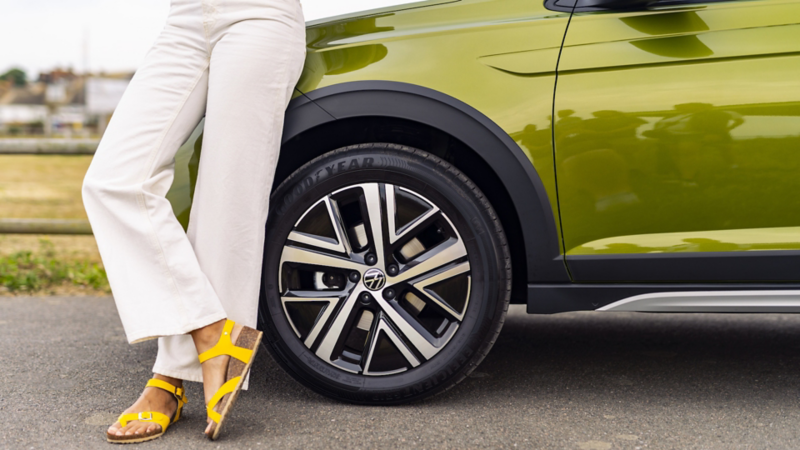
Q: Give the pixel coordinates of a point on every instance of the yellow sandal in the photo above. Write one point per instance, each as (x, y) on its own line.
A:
(151, 416)
(241, 359)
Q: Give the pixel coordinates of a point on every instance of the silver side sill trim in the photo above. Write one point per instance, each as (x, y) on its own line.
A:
(711, 301)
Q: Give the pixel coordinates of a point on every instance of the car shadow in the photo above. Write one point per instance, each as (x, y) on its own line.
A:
(616, 356)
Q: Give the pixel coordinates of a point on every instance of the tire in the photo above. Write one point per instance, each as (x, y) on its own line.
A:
(430, 313)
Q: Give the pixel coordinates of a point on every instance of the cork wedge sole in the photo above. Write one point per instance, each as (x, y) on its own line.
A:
(135, 439)
(122, 440)
(249, 338)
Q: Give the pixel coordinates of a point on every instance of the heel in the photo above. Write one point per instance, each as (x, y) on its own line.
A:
(241, 360)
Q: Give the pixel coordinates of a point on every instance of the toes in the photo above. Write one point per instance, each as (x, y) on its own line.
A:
(114, 429)
(134, 428)
(144, 428)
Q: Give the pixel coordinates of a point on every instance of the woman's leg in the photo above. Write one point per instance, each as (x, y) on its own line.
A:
(165, 282)
(255, 64)
(155, 277)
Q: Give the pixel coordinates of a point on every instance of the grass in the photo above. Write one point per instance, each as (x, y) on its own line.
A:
(47, 187)
(42, 187)
(46, 271)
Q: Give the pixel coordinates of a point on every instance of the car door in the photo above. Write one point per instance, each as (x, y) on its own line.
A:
(677, 142)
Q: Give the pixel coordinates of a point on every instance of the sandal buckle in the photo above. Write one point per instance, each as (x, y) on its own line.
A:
(142, 416)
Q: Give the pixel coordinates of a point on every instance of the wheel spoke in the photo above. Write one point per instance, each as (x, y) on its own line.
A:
(335, 331)
(342, 245)
(383, 326)
(309, 257)
(391, 214)
(444, 253)
(306, 295)
(313, 296)
(372, 197)
(422, 344)
(441, 275)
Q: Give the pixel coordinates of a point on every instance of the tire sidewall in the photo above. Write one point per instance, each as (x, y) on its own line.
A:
(430, 177)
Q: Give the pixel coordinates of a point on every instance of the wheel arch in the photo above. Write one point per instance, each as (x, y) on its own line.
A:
(383, 111)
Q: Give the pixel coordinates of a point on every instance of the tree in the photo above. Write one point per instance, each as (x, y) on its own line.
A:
(17, 76)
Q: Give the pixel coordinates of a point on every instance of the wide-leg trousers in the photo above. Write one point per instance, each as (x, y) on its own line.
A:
(236, 61)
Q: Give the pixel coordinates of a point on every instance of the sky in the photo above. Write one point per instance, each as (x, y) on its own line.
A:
(105, 35)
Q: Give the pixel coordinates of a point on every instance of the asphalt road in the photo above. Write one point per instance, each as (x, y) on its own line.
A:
(571, 381)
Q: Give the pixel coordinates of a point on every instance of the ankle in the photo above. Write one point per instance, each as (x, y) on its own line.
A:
(207, 337)
(177, 382)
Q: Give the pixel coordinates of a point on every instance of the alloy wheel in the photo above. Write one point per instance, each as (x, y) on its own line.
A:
(374, 279)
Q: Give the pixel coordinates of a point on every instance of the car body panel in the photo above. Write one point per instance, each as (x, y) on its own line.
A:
(449, 45)
(638, 158)
(678, 130)
(187, 161)
(490, 157)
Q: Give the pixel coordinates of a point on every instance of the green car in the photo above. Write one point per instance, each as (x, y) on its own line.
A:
(445, 158)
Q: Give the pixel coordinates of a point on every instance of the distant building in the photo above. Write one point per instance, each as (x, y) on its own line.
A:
(102, 96)
(57, 75)
(61, 103)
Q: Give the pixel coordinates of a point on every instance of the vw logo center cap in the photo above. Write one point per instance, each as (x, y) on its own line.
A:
(374, 279)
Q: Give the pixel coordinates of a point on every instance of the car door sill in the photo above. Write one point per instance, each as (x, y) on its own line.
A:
(720, 297)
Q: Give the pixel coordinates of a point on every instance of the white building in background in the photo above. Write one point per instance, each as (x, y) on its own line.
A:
(61, 103)
(103, 94)
(22, 113)
(102, 97)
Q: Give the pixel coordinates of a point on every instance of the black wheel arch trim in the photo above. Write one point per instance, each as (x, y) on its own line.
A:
(545, 263)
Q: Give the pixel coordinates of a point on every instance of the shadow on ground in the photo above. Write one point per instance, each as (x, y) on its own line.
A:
(579, 380)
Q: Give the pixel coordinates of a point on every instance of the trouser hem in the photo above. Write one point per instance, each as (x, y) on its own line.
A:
(179, 374)
(146, 335)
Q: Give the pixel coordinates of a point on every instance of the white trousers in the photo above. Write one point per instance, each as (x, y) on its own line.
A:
(237, 61)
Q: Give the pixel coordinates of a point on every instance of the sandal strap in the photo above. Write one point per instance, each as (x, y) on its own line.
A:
(178, 393)
(146, 416)
(225, 347)
(161, 384)
(226, 388)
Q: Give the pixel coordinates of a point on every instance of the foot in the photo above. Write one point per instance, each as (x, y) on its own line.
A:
(152, 399)
(215, 369)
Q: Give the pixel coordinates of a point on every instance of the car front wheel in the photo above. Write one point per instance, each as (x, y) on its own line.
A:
(386, 275)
